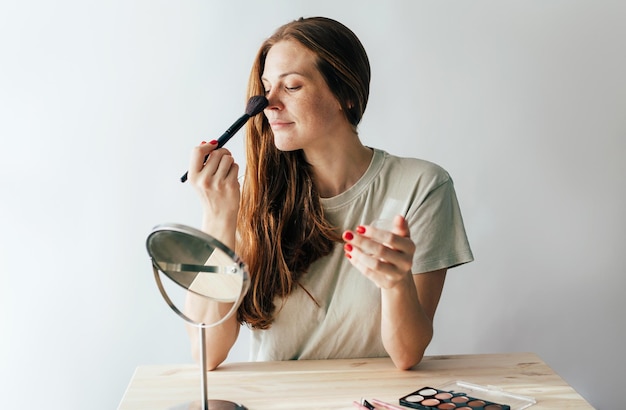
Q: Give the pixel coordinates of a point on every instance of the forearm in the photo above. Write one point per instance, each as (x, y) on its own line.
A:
(406, 329)
(213, 173)
(222, 227)
(219, 339)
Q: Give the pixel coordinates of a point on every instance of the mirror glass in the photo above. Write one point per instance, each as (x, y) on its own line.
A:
(197, 262)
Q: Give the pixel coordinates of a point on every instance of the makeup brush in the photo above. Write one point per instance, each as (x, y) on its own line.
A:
(255, 105)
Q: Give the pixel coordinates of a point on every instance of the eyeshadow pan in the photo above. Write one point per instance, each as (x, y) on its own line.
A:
(446, 406)
(428, 392)
(430, 402)
(443, 396)
(414, 398)
(459, 399)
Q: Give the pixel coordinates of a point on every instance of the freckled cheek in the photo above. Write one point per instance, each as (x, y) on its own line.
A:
(321, 113)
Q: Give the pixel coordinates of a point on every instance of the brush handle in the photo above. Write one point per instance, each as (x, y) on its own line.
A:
(223, 139)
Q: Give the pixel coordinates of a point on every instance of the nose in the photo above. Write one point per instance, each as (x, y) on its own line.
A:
(273, 99)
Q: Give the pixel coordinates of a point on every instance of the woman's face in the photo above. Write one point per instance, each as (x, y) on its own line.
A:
(302, 111)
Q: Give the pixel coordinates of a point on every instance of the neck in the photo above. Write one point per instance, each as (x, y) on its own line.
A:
(338, 168)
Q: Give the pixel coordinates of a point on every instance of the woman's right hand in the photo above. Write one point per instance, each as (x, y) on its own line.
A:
(217, 184)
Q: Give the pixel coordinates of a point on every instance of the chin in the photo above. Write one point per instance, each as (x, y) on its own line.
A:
(285, 146)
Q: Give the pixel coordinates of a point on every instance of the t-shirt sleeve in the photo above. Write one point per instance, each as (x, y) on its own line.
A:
(437, 229)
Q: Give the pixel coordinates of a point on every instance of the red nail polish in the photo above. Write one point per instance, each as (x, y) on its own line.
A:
(348, 256)
(348, 236)
(203, 142)
(213, 142)
(347, 247)
(360, 229)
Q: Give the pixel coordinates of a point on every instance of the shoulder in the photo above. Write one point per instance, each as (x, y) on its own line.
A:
(414, 169)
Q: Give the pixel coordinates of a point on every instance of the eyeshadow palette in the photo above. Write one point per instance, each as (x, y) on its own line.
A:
(428, 398)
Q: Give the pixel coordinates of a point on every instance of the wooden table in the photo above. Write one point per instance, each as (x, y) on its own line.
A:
(335, 384)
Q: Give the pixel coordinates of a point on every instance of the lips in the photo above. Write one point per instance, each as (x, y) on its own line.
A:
(278, 124)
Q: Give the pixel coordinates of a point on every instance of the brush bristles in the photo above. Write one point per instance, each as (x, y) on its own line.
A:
(256, 104)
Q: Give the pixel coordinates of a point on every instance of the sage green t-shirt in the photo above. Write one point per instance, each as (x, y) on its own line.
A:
(340, 315)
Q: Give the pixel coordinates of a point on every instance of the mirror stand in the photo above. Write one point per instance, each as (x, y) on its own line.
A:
(211, 404)
(204, 266)
(205, 403)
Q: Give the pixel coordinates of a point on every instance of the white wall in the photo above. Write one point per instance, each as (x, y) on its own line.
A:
(101, 102)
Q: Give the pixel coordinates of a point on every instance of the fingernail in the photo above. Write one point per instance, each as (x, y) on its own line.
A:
(213, 142)
(360, 229)
(348, 256)
(347, 247)
(203, 142)
(348, 236)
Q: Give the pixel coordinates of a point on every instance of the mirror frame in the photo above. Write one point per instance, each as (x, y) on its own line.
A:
(238, 267)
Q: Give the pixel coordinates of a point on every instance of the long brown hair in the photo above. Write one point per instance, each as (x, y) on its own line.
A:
(281, 225)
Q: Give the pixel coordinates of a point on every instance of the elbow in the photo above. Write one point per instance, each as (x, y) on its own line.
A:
(210, 362)
(410, 356)
(407, 363)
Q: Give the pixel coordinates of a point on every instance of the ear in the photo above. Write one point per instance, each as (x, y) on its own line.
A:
(349, 105)
(340, 105)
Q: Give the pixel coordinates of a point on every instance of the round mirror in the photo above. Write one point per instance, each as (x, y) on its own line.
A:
(200, 264)
(197, 262)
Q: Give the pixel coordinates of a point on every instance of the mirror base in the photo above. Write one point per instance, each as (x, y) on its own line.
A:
(212, 405)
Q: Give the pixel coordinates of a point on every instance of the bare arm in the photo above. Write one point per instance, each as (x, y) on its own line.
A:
(219, 339)
(408, 301)
(407, 317)
(217, 185)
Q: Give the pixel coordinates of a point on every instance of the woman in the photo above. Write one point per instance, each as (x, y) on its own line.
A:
(325, 281)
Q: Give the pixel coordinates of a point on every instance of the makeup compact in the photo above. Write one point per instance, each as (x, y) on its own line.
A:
(461, 395)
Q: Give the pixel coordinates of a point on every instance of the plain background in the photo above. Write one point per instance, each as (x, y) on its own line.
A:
(523, 102)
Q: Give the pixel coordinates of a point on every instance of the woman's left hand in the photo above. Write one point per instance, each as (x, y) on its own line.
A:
(383, 256)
